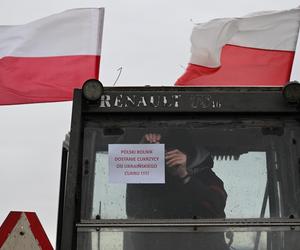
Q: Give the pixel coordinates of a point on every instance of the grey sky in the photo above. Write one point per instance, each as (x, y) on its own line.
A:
(149, 39)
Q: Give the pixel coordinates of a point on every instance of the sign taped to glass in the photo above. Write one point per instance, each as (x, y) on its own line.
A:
(136, 163)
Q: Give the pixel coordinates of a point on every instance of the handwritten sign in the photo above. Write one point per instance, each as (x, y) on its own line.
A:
(136, 163)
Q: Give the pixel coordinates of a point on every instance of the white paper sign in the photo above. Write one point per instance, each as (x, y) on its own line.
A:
(136, 163)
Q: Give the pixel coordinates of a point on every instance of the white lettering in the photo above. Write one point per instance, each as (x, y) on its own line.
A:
(118, 101)
(104, 102)
(129, 101)
(142, 101)
(154, 102)
(176, 99)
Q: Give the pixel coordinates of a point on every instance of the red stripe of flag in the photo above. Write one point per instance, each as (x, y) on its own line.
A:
(44, 79)
(242, 66)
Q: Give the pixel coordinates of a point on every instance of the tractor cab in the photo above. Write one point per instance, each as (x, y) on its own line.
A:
(181, 168)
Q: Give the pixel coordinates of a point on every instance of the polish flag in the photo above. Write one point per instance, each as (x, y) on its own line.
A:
(43, 61)
(256, 50)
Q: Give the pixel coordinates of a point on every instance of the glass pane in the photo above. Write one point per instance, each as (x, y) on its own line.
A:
(244, 193)
(111, 198)
(212, 170)
(187, 239)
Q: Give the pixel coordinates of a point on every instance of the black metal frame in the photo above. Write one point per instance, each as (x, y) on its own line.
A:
(133, 101)
(70, 202)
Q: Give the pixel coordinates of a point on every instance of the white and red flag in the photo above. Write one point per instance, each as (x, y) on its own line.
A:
(44, 60)
(255, 50)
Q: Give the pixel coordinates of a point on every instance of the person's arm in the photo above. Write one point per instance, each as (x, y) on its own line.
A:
(211, 193)
(197, 178)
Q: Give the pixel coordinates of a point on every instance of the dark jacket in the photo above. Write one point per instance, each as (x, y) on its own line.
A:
(203, 196)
